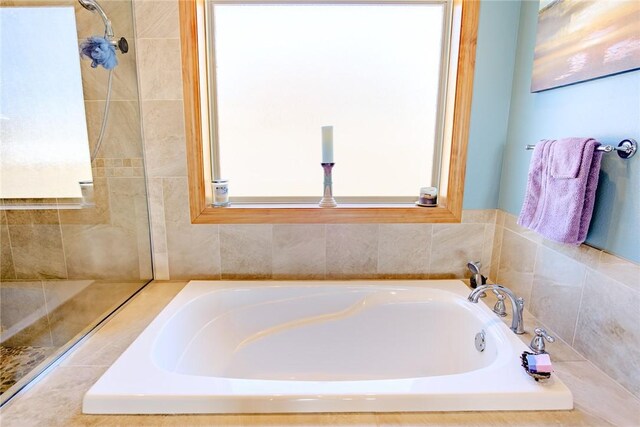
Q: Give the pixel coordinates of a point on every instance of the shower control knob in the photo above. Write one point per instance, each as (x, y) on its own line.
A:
(123, 45)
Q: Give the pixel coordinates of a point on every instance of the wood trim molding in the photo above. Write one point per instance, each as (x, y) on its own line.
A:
(450, 208)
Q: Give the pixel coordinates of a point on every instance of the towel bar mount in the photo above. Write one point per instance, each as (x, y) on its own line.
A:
(625, 149)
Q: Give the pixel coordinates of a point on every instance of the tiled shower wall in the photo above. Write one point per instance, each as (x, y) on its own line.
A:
(111, 240)
(587, 297)
(61, 269)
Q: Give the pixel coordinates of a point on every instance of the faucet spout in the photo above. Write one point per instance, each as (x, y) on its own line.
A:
(517, 304)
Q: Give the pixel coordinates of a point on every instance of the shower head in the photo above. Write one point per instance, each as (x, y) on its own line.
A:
(94, 6)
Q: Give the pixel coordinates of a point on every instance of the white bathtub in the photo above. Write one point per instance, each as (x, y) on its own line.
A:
(370, 346)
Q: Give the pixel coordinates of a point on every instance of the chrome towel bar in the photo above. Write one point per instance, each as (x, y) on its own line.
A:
(625, 149)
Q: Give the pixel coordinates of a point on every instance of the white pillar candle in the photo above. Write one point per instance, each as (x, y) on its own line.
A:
(327, 144)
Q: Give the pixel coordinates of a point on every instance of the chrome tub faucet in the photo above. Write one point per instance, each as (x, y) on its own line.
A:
(517, 304)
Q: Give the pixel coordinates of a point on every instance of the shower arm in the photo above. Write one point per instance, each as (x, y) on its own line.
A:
(94, 6)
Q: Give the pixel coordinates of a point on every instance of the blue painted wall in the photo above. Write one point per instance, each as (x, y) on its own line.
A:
(495, 59)
(607, 109)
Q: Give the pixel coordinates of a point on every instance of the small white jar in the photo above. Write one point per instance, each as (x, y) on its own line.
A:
(220, 189)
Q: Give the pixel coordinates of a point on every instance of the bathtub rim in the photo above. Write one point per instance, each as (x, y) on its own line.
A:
(408, 395)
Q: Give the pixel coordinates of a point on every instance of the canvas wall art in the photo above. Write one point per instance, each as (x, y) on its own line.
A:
(580, 40)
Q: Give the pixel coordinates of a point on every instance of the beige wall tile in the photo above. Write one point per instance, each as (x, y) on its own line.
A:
(161, 266)
(165, 146)
(124, 85)
(619, 269)
(452, 247)
(33, 217)
(584, 254)
(556, 293)
(598, 394)
(404, 250)
(128, 203)
(298, 251)
(159, 69)
(57, 292)
(98, 214)
(77, 305)
(487, 248)
(23, 314)
(479, 216)
(120, 13)
(607, 332)
(245, 251)
(157, 19)
(500, 214)
(193, 249)
(101, 252)
(517, 261)
(156, 214)
(352, 251)
(37, 251)
(6, 258)
(510, 222)
(116, 250)
(122, 134)
(496, 250)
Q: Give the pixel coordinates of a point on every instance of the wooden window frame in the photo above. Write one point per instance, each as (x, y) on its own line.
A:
(449, 207)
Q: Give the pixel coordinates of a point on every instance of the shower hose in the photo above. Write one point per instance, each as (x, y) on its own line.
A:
(105, 116)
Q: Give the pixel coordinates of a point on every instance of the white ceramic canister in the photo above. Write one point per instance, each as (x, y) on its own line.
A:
(220, 189)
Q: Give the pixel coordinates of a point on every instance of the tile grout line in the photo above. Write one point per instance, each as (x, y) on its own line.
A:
(533, 276)
(64, 252)
(271, 247)
(430, 253)
(325, 251)
(13, 262)
(378, 252)
(163, 226)
(46, 310)
(500, 254)
(575, 326)
(219, 251)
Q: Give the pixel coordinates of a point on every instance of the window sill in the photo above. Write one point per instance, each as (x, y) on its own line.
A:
(312, 214)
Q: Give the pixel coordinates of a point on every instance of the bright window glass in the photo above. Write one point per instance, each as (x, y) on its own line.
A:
(372, 71)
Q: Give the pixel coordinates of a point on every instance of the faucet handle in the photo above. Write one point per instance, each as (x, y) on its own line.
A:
(537, 343)
(499, 307)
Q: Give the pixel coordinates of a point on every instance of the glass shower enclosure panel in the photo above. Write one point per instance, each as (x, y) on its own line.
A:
(74, 228)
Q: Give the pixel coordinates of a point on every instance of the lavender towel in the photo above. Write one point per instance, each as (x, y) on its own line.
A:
(561, 190)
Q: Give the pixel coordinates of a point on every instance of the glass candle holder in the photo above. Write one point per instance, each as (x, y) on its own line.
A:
(88, 194)
(428, 196)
